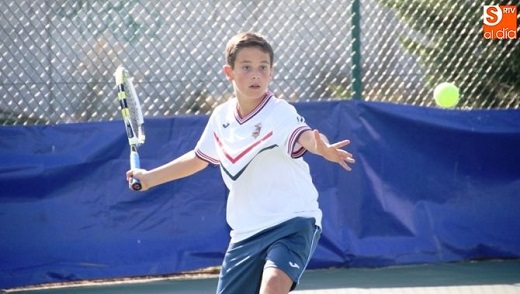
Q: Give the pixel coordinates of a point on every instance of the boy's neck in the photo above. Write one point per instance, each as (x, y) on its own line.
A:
(246, 106)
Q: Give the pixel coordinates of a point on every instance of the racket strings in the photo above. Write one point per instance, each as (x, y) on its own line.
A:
(136, 119)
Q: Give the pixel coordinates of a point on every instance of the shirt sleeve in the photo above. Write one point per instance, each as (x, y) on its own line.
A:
(206, 148)
(295, 126)
(294, 148)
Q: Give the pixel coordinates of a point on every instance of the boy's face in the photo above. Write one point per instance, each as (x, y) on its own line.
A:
(251, 74)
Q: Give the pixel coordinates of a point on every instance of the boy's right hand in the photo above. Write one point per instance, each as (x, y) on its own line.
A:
(139, 174)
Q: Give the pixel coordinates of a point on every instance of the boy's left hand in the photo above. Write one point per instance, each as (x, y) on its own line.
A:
(333, 152)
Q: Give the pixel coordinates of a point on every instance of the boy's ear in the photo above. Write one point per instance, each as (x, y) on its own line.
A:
(228, 71)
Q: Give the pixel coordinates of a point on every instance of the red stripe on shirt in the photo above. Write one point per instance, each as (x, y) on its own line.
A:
(293, 139)
(243, 153)
(206, 157)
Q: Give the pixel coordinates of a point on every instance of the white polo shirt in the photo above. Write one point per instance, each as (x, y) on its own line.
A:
(261, 165)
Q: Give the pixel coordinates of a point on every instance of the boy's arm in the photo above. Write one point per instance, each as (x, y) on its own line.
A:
(317, 143)
(181, 167)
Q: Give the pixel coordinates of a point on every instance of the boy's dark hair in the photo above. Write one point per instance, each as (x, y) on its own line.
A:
(244, 40)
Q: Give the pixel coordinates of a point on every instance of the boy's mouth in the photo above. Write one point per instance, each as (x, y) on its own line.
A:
(255, 86)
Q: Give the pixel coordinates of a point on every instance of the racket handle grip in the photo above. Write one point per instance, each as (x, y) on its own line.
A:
(134, 183)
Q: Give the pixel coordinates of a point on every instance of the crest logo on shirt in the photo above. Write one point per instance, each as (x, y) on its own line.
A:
(258, 128)
(300, 119)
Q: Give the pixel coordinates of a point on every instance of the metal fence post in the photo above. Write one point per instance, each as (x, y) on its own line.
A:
(356, 71)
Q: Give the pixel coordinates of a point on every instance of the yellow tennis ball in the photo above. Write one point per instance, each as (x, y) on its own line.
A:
(446, 95)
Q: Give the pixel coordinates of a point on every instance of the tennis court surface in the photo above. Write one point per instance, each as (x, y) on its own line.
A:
(498, 276)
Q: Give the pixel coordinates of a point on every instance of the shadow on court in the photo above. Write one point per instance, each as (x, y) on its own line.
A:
(501, 276)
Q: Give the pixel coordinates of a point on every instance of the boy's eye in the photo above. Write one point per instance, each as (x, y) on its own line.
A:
(262, 68)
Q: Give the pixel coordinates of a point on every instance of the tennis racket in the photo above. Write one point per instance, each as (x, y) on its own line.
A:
(132, 118)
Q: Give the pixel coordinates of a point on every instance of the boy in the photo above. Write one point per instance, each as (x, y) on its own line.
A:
(258, 140)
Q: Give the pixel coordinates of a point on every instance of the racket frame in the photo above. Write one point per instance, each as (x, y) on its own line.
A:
(135, 133)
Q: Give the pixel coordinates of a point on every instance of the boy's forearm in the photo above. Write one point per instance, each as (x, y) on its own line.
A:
(181, 167)
(308, 141)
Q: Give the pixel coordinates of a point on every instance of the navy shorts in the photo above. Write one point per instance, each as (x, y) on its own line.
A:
(287, 246)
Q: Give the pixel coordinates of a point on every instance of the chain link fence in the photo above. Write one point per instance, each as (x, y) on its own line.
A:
(57, 58)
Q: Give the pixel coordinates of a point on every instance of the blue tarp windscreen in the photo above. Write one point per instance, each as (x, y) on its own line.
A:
(429, 185)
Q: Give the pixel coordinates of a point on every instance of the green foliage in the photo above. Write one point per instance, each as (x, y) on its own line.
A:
(449, 45)
(339, 91)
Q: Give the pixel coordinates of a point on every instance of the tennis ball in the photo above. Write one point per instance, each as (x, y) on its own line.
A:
(446, 95)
